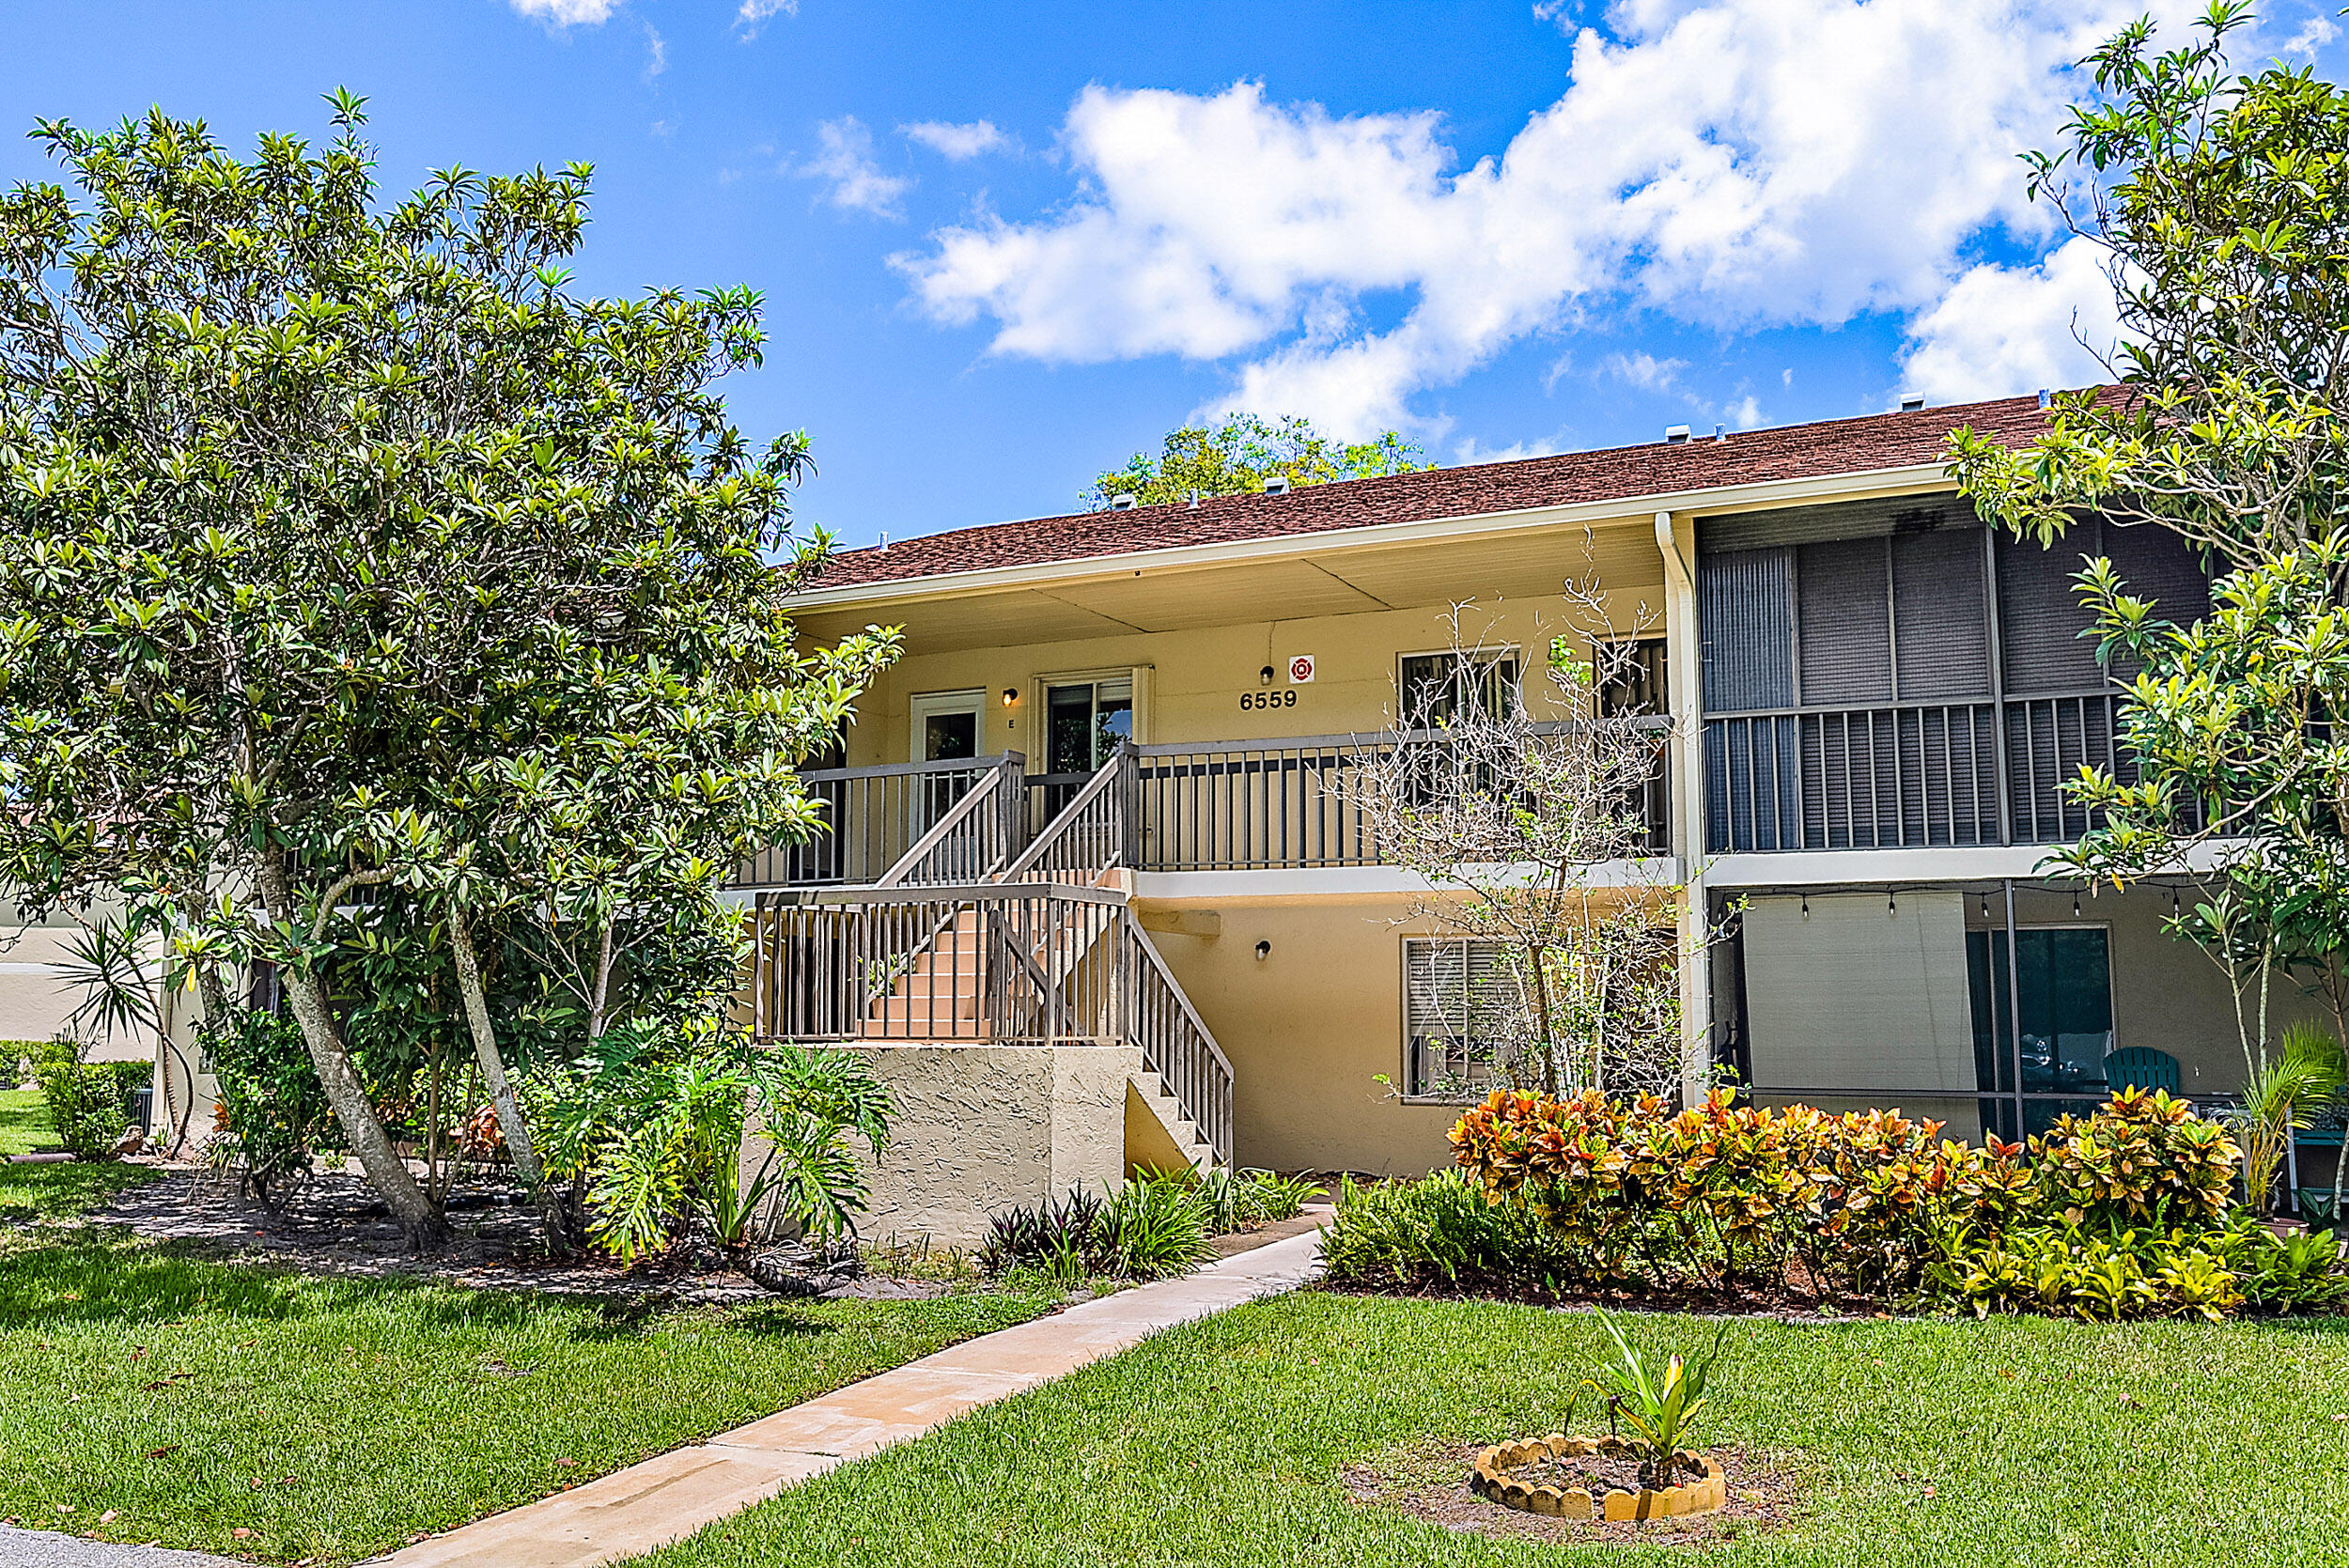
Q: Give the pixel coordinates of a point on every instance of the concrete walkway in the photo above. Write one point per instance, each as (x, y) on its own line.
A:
(673, 1495)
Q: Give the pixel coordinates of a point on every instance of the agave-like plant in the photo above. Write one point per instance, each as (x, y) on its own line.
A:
(1662, 1407)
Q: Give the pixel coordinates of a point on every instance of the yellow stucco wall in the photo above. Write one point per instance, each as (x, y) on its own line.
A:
(1197, 678)
(1310, 1028)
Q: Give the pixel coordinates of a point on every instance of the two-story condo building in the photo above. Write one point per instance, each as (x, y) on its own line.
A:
(1099, 892)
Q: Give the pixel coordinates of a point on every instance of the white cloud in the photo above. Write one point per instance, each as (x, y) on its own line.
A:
(1730, 164)
(567, 14)
(2318, 31)
(754, 14)
(656, 52)
(1747, 413)
(1468, 451)
(1643, 370)
(2002, 331)
(845, 163)
(956, 142)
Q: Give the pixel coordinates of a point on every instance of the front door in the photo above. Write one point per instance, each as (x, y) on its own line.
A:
(946, 730)
(946, 725)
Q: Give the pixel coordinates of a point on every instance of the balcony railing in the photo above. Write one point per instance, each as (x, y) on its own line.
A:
(1233, 805)
(1242, 805)
(1904, 775)
(873, 816)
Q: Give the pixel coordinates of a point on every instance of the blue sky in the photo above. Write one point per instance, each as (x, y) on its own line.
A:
(1006, 246)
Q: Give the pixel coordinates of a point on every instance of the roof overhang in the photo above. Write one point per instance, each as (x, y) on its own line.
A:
(1915, 478)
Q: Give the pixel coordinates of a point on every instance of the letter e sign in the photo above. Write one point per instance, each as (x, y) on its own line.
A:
(1302, 670)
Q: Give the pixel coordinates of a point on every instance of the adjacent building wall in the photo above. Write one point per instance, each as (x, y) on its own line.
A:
(37, 999)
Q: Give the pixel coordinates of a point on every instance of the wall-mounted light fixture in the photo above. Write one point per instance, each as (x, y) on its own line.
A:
(1264, 951)
(1011, 696)
(1263, 676)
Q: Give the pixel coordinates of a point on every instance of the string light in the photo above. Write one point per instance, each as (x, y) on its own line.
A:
(1985, 909)
(1806, 905)
(2075, 904)
(1891, 908)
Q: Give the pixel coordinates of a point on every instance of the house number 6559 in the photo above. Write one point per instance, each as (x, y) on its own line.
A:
(1268, 699)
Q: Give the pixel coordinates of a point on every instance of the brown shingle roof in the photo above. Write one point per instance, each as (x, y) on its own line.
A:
(1883, 441)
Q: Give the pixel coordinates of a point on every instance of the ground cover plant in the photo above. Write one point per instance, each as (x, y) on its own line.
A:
(2122, 1214)
(1158, 1224)
(239, 1408)
(1910, 1442)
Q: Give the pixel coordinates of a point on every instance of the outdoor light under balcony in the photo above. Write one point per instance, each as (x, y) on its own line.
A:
(1011, 696)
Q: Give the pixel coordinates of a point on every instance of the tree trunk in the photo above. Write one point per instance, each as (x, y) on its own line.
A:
(418, 1216)
(598, 1002)
(509, 1111)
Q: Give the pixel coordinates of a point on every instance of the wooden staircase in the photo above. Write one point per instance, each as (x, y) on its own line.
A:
(1046, 950)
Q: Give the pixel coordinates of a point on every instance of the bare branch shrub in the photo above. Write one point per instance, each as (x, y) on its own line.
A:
(1541, 840)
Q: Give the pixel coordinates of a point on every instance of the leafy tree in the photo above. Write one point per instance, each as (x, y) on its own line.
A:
(1239, 455)
(2222, 202)
(352, 557)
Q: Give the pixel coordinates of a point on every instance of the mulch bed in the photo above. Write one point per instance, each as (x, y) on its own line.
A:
(1799, 1297)
(338, 1226)
(1431, 1484)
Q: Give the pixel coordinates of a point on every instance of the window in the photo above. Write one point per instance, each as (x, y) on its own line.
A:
(1459, 1004)
(1636, 687)
(1433, 685)
(1636, 683)
(1085, 722)
(2063, 981)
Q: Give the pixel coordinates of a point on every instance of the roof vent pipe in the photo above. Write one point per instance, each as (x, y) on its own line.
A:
(1122, 502)
(1194, 501)
(1913, 402)
(884, 545)
(1676, 434)
(2044, 399)
(1276, 485)
(1720, 434)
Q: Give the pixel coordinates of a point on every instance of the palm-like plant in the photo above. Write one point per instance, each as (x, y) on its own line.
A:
(658, 1134)
(2306, 1075)
(1661, 1408)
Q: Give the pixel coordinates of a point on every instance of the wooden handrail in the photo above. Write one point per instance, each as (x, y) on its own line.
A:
(973, 800)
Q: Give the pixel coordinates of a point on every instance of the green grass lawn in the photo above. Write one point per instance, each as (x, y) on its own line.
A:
(51, 1191)
(1913, 1442)
(333, 1419)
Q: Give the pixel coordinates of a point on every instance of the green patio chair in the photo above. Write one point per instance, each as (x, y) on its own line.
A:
(2141, 1067)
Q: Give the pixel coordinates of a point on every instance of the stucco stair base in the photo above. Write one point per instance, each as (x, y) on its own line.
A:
(665, 1498)
(1159, 1136)
(980, 1128)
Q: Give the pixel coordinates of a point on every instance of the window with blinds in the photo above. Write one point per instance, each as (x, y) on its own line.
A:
(1460, 1004)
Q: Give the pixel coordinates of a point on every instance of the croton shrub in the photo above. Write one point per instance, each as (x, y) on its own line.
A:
(2125, 1212)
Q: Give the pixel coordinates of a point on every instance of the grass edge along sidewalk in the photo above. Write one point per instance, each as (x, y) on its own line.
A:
(670, 1496)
